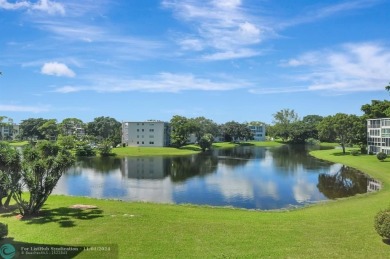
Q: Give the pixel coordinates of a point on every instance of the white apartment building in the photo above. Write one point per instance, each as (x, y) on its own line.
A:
(378, 135)
(9, 131)
(258, 132)
(146, 134)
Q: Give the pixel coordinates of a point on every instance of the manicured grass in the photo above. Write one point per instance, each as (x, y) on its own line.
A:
(18, 144)
(185, 150)
(335, 229)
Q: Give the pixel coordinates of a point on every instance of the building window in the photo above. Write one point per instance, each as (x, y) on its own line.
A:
(151, 130)
(151, 136)
(143, 130)
(143, 142)
(151, 142)
(137, 130)
(386, 122)
(137, 142)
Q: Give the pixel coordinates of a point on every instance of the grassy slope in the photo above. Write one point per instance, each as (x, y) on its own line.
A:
(335, 229)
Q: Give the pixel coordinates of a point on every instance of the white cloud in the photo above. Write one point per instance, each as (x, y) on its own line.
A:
(47, 6)
(241, 53)
(162, 82)
(358, 67)
(57, 69)
(21, 108)
(4, 4)
(220, 27)
(317, 13)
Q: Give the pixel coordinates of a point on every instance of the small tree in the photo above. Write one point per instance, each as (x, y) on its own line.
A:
(206, 141)
(10, 172)
(381, 156)
(382, 223)
(42, 167)
(105, 148)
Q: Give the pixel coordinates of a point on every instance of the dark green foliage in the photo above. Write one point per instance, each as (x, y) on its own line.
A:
(105, 128)
(10, 172)
(85, 149)
(180, 130)
(355, 152)
(201, 126)
(3, 230)
(344, 128)
(377, 109)
(30, 128)
(312, 142)
(42, 167)
(206, 142)
(105, 148)
(381, 156)
(234, 131)
(382, 223)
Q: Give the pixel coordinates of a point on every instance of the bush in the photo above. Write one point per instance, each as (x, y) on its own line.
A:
(381, 156)
(3, 230)
(85, 150)
(382, 223)
(355, 152)
(312, 142)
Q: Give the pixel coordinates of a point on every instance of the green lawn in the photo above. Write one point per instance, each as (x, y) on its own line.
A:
(335, 229)
(18, 144)
(185, 150)
(153, 151)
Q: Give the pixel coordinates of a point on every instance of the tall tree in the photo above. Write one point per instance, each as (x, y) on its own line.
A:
(69, 126)
(342, 127)
(388, 87)
(105, 128)
(377, 109)
(181, 128)
(234, 131)
(201, 126)
(30, 128)
(282, 122)
(49, 129)
(302, 130)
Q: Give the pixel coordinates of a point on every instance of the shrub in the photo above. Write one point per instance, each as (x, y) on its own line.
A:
(312, 142)
(381, 156)
(382, 223)
(85, 150)
(3, 230)
(355, 152)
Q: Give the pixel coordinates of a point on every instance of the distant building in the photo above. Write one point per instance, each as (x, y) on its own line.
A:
(9, 131)
(258, 132)
(378, 135)
(146, 134)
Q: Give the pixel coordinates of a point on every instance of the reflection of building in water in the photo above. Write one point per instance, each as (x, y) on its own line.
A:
(373, 185)
(145, 167)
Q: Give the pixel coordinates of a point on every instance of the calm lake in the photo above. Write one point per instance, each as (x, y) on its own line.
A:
(243, 177)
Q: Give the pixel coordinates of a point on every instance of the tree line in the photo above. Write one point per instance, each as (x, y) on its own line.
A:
(346, 129)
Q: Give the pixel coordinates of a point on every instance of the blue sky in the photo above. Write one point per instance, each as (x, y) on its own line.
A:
(240, 60)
